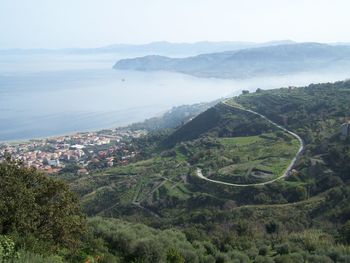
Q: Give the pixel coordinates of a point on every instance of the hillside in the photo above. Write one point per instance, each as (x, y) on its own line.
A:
(250, 62)
(231, 145)
(216, 140)
(157, 208)
(173, 118)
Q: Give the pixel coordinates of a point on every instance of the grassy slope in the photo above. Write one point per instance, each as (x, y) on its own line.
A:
(266, 153)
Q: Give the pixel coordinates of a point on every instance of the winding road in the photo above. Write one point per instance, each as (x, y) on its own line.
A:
(286, 172)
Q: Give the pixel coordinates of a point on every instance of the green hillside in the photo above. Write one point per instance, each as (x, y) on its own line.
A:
(158, 209)
(235, 146)
(220, 121)
(227, 143)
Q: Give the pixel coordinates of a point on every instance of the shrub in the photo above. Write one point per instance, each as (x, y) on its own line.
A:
(261, 259)
(7, 250)
(345, 232)
(318, 259)
(29, 257)
(263, 250)
(282, 249)
(272, 227)
(174, 256)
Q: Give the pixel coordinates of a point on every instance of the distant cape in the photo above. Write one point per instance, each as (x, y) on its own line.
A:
(250, 62)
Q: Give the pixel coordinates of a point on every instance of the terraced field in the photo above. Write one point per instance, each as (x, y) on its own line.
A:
(257, 158)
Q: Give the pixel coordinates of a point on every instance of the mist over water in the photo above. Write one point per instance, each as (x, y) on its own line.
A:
(46, 95)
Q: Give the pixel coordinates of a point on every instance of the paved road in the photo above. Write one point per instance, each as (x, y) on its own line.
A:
(286, 172)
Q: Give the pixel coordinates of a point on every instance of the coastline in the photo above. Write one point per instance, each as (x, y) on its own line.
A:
(27, 140)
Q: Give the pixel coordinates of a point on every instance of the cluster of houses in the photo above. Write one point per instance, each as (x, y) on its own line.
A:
(52, 155)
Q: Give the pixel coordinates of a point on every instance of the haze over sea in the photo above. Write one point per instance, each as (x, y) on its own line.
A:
(44, 95)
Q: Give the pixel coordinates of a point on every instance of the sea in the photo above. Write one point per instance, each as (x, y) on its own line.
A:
(44, 95)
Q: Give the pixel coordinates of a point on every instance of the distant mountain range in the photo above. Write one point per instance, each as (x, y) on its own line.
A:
(269, 60)
(181, 49)
(154, 48)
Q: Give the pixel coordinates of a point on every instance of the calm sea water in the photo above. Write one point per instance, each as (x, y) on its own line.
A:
(46, 95)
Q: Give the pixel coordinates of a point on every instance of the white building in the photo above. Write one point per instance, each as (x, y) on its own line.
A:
(78, 146)
(345, 130)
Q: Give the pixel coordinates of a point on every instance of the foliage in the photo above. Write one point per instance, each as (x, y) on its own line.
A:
(41, 213)
(7, 250)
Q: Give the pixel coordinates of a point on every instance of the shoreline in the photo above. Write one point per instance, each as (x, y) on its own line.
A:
(27, 140)
(122, 125)
(94, 130)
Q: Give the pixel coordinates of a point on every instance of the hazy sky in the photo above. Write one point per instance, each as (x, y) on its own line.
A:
(93, 23)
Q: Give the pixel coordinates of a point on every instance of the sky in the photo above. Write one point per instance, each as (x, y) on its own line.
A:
(95, 23)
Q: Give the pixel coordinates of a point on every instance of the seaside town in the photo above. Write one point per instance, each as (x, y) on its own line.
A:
(78, 153)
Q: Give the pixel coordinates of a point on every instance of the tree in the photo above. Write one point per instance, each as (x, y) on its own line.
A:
(272, 228)
(34, 206)
(300, 192)
(345, 232)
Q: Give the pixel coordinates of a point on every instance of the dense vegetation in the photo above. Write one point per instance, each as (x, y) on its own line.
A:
(41, 214)
(157, 210)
